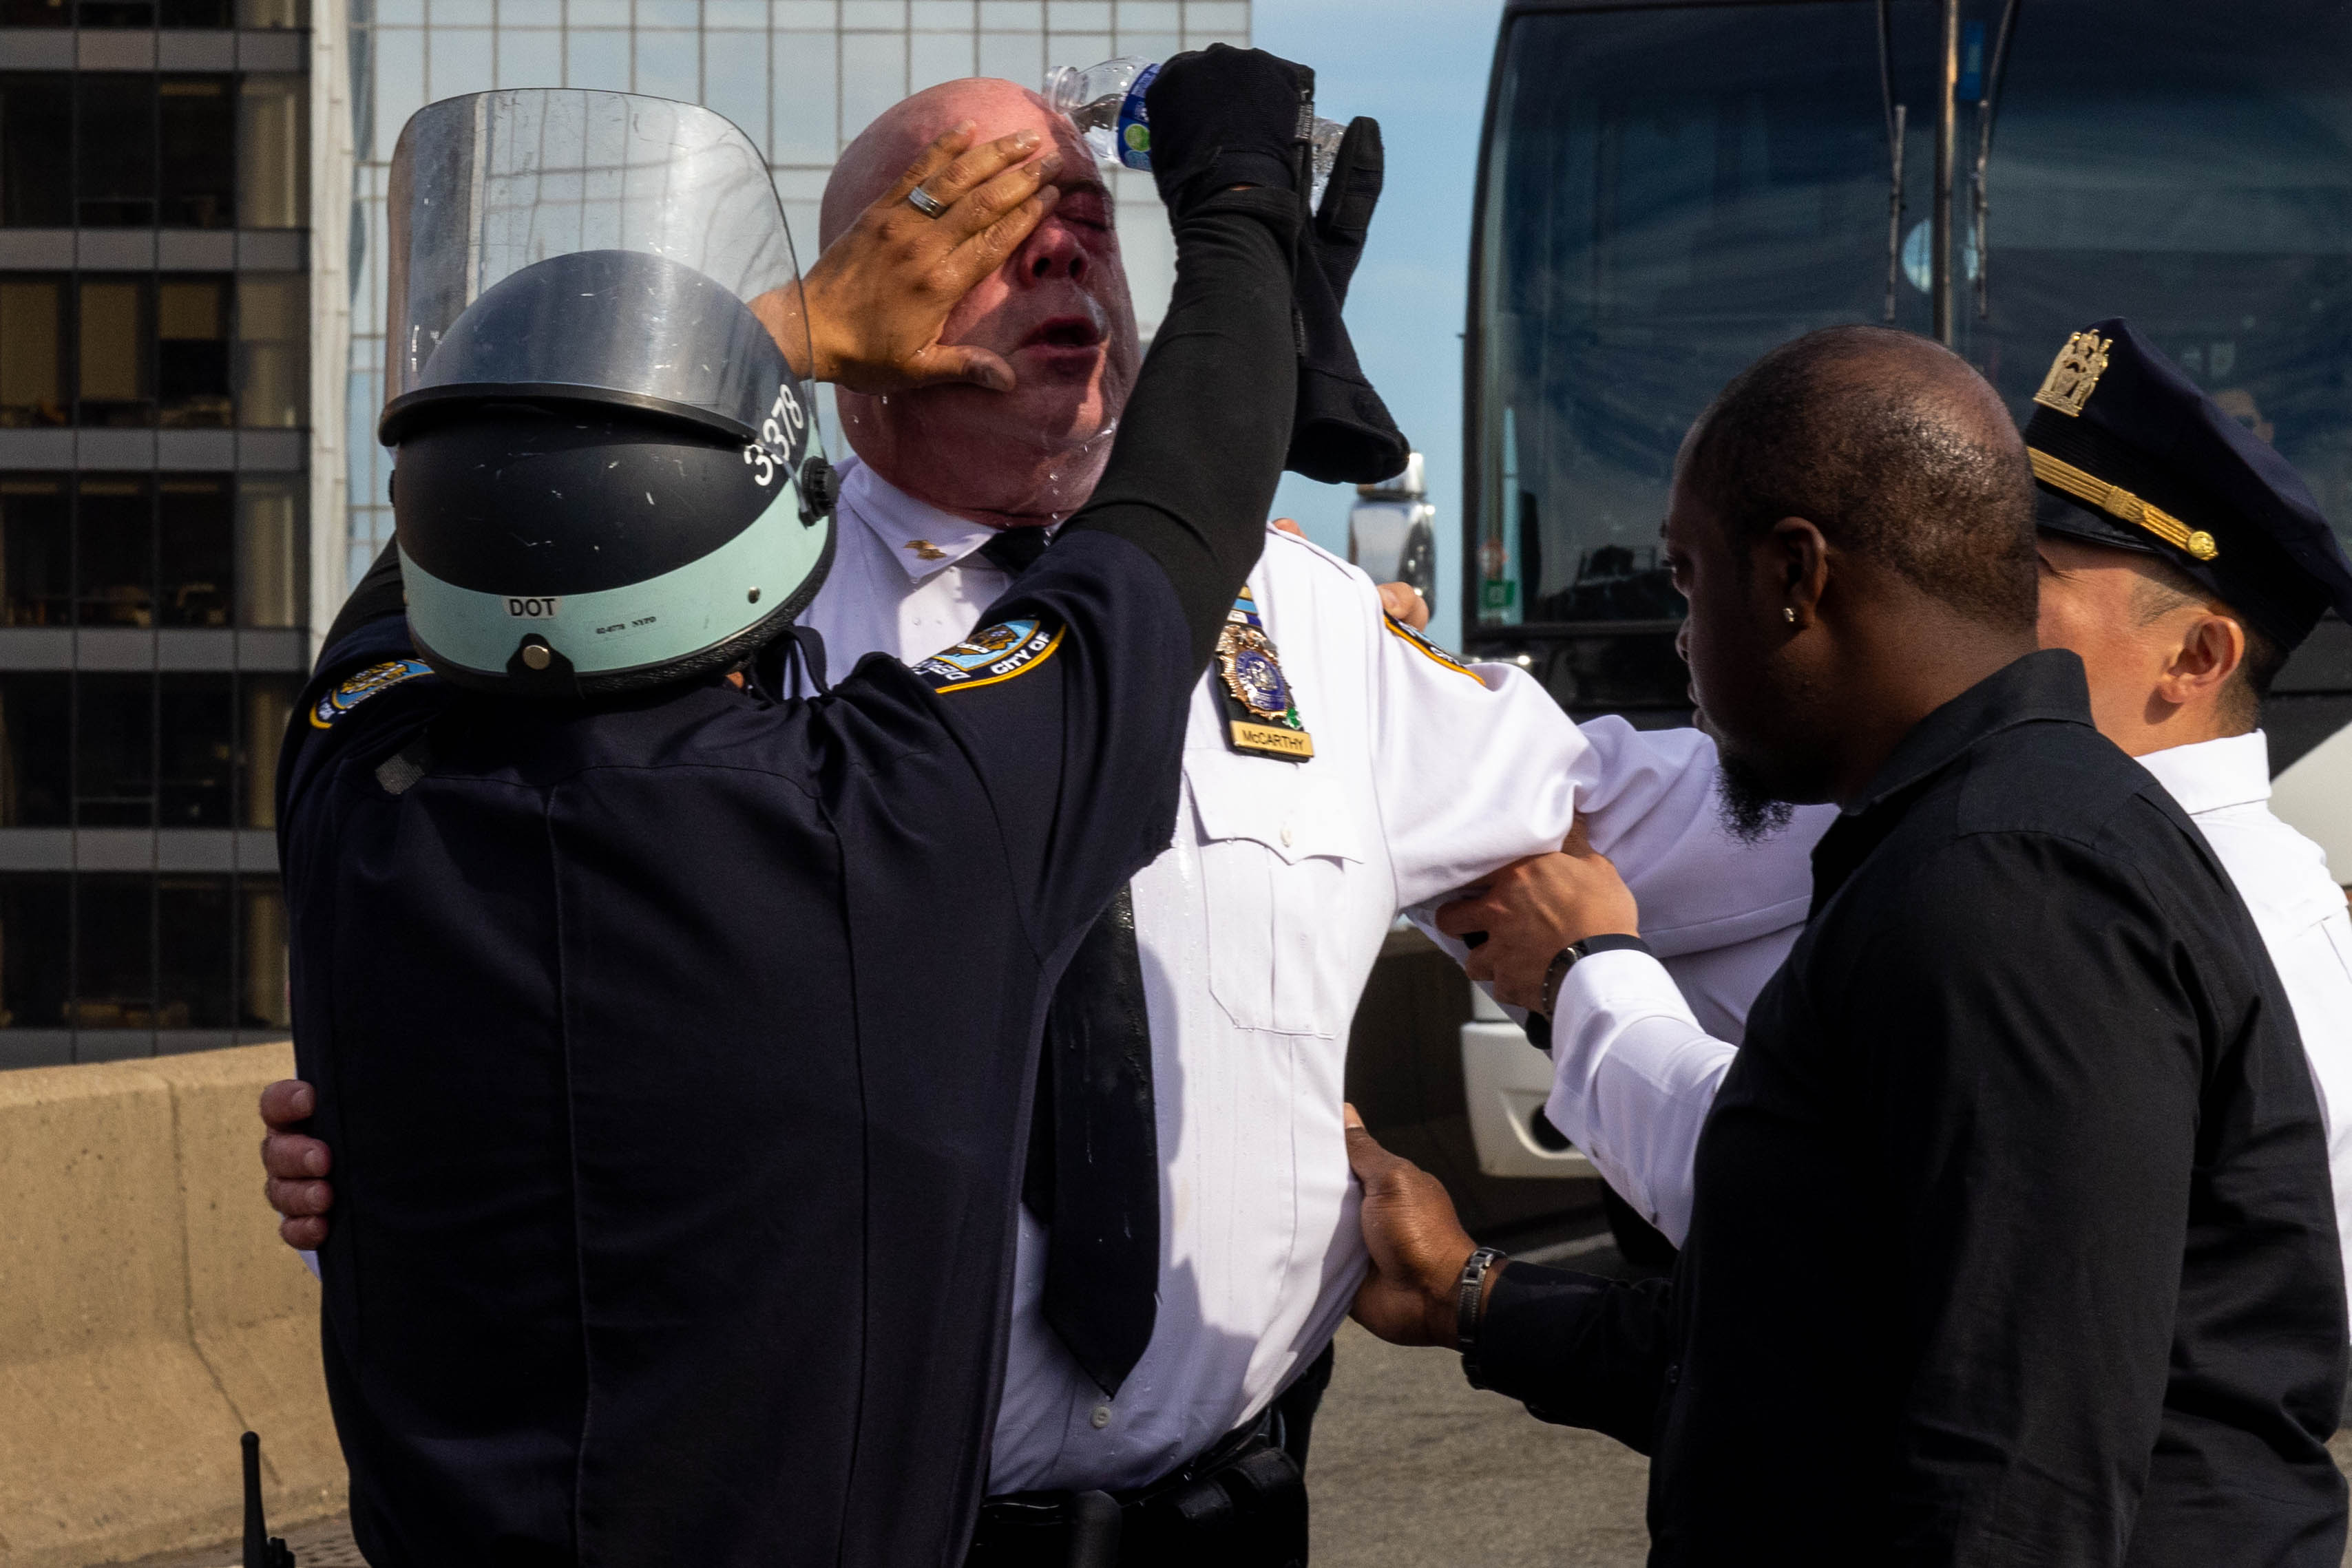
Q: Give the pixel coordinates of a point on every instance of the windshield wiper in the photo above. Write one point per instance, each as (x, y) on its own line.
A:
(1986, 105)
(1896, 116)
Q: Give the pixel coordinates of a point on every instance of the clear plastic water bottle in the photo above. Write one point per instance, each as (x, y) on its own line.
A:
(1105, 103)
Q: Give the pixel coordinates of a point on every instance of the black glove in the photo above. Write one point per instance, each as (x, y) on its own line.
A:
(1223, 117)
(1342, 432)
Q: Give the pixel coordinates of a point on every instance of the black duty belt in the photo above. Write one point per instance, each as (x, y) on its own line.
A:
(1242, 1504)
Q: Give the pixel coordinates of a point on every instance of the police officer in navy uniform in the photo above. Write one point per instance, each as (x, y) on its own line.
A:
(560, 855)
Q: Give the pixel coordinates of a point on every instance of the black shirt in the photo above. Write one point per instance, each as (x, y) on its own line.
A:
(676, 1050)
(2012, 1239)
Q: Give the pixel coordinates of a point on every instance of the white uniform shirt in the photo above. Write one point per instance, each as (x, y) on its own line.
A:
(1257, 929)
(1634, 1069)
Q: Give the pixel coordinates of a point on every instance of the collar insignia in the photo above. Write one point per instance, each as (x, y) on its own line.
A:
(2074, 373)
(1261, 711)
(925, 551)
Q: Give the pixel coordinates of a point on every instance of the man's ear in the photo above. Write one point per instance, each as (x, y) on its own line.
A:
(2212, 648)
(1792, 567)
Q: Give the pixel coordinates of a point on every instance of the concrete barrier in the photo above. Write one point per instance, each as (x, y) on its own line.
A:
(149, 1314)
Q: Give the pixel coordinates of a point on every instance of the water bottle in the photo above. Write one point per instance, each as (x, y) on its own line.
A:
(1105, 103)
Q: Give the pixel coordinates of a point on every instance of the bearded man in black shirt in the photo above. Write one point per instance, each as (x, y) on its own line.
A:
(2012, 1239)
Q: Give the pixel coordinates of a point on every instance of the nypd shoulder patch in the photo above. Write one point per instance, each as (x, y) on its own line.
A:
(329, 710)
(1430, 650)
(990, 655)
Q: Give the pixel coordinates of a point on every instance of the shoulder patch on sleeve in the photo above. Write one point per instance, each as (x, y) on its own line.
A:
(329, 710)
(1428, 649)
(990, 655)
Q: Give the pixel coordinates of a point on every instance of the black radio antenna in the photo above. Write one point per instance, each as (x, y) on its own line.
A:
(262, 1550)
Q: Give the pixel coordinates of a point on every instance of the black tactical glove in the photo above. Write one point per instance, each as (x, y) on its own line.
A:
(1342, 432)
(1223, 116)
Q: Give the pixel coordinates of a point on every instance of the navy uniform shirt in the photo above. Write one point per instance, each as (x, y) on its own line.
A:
(2012, 1241)
(564, 974)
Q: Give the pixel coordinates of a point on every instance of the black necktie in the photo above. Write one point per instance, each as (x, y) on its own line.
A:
(1093, 1177)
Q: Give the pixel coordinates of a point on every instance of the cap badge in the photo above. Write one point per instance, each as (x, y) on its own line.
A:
(2074, 373)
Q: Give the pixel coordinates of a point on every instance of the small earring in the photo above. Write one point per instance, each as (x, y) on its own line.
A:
(1788, 614)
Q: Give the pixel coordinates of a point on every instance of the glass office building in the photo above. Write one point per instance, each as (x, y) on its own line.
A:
(156, 471)
(800, 77)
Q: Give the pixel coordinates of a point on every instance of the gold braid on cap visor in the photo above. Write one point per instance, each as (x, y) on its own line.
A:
(2118, 502)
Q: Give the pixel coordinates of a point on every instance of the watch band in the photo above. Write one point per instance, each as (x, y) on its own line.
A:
(1469, 1307)
(1567, 957)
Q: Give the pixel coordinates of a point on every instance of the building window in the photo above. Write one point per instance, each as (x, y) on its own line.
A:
(114, 750)
(36, 552)
(114, 952)
(35, 949)
(192, 386)
(114, 150)
(100, 748)
(131, 549)
(273, 383)
(183, 351)
(36, 13)
(132, 951)
(113, 330)
(36, 749)
(32, 351)
(152, 14)
(196, 551)
(114, 550)
(195, 952)
(196, 119)
(196, 728)
(36, 131)
(127, 148)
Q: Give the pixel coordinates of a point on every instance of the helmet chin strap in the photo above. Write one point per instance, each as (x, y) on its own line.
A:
(769, 671)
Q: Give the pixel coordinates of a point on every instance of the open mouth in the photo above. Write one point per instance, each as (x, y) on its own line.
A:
(1064, 332)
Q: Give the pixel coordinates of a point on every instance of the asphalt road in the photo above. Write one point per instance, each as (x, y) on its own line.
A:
(1410, 1466)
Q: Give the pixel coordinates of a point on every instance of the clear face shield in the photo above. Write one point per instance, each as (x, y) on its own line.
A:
(623, 262)
(627, 247)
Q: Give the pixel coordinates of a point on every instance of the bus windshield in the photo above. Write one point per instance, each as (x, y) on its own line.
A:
(1670, 192)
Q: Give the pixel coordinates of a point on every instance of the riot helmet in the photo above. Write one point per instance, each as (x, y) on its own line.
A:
(606, 473)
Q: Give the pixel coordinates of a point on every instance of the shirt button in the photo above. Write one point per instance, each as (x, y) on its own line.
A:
(1101, 1418)
(1286, 835)
(1674, 1373)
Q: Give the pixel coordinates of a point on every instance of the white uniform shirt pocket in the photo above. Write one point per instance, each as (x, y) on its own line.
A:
(1278, 848)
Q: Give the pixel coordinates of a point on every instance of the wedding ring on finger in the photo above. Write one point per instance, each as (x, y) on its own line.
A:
(923, 202)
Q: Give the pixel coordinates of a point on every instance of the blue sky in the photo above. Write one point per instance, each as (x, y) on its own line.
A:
(1420, 69)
